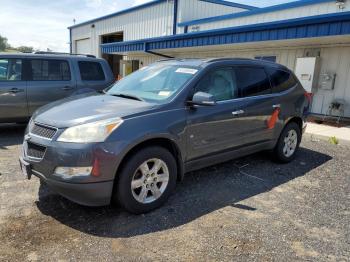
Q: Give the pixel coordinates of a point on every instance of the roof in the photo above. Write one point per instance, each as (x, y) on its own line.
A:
(256, 11)
(305, 27)
(156, 2)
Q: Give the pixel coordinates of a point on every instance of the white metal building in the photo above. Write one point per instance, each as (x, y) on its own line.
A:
(311, 37)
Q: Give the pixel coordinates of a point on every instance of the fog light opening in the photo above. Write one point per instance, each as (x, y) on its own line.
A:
(73, 171)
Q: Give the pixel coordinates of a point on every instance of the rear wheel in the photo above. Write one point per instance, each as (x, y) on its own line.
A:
(146, 180)
(288, 143)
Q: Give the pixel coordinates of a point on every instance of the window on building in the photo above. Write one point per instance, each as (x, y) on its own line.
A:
(220, 83)
(252, 81)
(280, 80)
(91, 71)
(50, 70)
(10, 69)
(267, 58)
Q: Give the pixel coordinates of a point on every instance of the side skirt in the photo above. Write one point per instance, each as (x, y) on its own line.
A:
(226, 156)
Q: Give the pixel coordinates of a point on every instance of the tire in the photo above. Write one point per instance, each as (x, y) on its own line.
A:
(281, 152)
(135, 170)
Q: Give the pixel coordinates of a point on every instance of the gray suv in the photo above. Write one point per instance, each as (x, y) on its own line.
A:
(29, 81)
(133, 143)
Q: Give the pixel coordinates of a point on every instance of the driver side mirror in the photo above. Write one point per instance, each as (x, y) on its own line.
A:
(203, 99)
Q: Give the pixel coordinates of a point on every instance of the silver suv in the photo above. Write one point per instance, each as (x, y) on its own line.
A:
(29, 81)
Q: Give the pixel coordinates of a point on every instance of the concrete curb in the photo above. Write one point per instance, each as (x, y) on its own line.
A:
(313, 137)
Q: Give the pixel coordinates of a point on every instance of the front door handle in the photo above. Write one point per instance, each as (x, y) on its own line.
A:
(238, 112)
(15, 90)
(67, 88)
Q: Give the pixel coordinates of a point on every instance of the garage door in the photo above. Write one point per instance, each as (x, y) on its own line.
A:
(83, 46)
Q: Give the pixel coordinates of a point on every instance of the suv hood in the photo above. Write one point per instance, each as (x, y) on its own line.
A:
(83, 109)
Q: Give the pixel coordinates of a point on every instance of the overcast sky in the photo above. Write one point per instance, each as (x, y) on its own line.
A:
(43, 23)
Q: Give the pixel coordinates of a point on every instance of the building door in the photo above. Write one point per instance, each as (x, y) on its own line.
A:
(83, 46)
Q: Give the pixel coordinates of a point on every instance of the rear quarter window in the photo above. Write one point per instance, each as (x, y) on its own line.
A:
(280, 80)
(91, 71)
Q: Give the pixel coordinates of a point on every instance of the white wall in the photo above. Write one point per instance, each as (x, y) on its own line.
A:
(153, 21)
(333, 60)
(311, 10)
(193, 9)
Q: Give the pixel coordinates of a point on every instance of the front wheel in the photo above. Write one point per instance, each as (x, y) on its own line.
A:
(288, 143)
(146, 180)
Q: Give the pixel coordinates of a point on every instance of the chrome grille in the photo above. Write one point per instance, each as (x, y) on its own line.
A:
(35, 151)
(43, 131)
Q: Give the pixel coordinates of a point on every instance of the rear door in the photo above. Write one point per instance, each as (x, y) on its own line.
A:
(260, 104)
(50, 80)
(13, 90)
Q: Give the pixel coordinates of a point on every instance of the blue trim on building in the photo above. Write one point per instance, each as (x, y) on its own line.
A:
(268, 9)
(154, 2)
(306, 27)
(232, 4)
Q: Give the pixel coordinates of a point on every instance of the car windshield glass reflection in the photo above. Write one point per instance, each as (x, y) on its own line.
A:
(156, 83)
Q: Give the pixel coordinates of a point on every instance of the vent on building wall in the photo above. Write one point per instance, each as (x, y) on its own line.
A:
(340, 3)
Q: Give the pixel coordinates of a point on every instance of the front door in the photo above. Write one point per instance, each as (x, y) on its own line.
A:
(50, 80)
(240, 116)
(13, 91)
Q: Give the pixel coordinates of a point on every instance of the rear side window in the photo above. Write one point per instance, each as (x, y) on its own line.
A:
(50, 70)
(91, 71)
(252, 81)
(281, 80)
(10, 69)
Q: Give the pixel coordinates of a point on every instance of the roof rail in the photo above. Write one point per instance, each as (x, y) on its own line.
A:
(61, 53)
(227, 58)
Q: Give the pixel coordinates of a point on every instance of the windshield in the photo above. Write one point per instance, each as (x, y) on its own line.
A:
(155, 83)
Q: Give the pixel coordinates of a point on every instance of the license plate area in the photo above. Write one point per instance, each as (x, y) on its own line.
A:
(26, 169)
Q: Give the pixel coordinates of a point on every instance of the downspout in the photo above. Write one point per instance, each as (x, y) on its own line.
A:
(175, 16)
(70, 41)
(158, 54)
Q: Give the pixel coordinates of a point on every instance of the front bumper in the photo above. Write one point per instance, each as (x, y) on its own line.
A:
(90, 194)
(88, 190)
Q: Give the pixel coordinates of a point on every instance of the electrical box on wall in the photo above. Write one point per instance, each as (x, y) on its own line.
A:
(307, 70)
(327, 81)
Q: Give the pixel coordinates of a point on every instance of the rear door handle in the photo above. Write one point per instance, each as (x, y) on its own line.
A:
(238, 112)
(66, 88)
(277, 106)
(15, 90)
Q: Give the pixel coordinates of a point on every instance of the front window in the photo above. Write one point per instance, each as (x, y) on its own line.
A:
(10, 69)
(156, 83)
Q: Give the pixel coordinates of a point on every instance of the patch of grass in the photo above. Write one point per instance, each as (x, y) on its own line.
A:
(333, 140)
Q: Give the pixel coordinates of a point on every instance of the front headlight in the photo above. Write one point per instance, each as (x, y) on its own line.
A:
(90, 133)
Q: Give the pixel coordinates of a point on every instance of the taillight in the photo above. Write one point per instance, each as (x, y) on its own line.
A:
(308, 96)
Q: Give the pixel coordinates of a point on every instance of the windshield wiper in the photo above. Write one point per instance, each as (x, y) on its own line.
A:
(128, 96)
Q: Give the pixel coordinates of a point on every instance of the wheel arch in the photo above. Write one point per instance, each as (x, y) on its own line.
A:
(162, 141)
(295, 119)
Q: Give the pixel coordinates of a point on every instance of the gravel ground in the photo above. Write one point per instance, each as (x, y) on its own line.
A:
(246, 209)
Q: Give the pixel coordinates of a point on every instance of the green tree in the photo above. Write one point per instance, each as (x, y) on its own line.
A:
(25, 49)
(3, 43)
